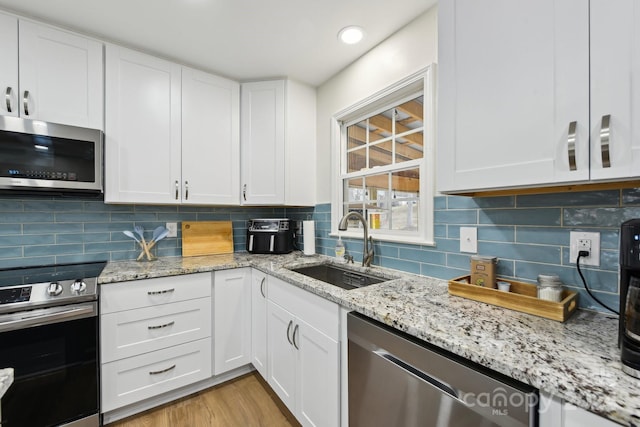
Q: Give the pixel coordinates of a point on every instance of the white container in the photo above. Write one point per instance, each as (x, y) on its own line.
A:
(504, 286)
(550, 287)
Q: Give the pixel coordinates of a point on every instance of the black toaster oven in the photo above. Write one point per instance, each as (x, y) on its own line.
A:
(269, 236)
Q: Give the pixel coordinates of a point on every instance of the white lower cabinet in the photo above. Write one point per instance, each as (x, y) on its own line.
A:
(259, 286)
(303, 353)
(231, 319)
(155, 337)
(554, 412)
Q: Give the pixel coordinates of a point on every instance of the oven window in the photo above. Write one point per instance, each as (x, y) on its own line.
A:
(55, 373)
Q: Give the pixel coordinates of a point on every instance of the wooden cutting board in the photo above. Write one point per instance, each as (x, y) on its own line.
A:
(207, 238)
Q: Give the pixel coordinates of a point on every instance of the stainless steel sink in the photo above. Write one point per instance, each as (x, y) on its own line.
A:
(339, 276)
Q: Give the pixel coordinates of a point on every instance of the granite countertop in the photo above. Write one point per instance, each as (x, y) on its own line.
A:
(6, 379)
(577, 361)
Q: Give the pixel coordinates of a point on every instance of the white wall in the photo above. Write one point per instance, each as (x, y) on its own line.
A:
(410, 49)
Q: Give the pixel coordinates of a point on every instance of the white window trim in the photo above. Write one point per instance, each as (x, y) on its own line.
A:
(421, 80)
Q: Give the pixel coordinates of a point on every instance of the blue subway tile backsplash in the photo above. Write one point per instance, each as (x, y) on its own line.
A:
(528, 233)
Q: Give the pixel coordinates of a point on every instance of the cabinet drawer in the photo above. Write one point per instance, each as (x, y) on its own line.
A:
(316, 311)
(137, 378)
(133, 332)
(149, 292)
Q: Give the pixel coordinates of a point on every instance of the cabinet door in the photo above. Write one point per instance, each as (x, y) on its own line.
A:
(578, 417)
(9, 66)
(259, 322)
(615, 91)
(210, 139)
(63, 75)
(232, 319)
(281, 355)
(142, 134)
(318, 387)
(513, 76)
(262, 142)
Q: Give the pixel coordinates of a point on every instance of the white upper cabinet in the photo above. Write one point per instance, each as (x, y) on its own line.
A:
(513, 93)
(172, 133)
(142, 132)
(210, 139)
(60, 74)
(615, 89)
(278, 143)
(9, 65)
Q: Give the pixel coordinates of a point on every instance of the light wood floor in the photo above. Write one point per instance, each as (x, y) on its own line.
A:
(244, 402)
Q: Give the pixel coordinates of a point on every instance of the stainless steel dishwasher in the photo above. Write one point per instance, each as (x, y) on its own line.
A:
(397, 380)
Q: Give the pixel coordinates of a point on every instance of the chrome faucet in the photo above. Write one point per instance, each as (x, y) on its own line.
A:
(367, 252)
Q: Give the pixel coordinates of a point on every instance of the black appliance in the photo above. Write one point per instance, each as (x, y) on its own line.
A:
(629, 333)
(269, 236)
(49, 336)
(36, 155)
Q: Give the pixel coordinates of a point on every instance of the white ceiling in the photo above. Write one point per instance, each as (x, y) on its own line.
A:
(240, 39)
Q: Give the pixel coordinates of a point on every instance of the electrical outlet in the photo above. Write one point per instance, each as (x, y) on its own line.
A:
(173, 229)
(584, 241)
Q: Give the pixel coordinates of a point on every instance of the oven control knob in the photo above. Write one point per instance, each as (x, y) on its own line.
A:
(78, 286)
(54, 289)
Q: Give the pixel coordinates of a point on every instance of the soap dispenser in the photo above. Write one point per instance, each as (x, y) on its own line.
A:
(340, 250)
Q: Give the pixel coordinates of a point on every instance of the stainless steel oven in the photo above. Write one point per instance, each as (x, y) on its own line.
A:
(49, 335)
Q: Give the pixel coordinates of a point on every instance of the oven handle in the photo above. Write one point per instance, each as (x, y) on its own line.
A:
(38, 317)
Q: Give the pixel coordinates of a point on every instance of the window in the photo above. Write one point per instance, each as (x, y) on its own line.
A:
(386, 162)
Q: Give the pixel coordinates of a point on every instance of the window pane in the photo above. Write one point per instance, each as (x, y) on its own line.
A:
(382, 124)
(357, 135)
(405, 200)
(380, 154)
(409, 147)
(377, 204)
(354, 191)
(356, 160)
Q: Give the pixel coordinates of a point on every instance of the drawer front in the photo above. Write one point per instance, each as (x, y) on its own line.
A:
(133, 332)
(316, 311)
(149, 292)
(137, 378)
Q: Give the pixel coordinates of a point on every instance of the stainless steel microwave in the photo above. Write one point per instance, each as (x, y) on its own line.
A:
(36, 155)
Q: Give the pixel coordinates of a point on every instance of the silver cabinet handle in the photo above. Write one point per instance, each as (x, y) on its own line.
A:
(605, 133)
(289, 330)
(162, 371)
(244, 192)
(166, 325)
(186, 190)
(295, 331)
(25, 101)
(165, 291)
(262, 287)
(572, 145)
(177, 186)
(7, 97)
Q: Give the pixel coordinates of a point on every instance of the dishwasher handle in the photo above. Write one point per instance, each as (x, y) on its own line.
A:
(441, 385)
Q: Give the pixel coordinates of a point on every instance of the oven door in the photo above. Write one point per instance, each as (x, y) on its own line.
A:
(54, 355)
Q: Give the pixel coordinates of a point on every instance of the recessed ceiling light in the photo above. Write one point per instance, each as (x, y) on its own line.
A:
(351, 34)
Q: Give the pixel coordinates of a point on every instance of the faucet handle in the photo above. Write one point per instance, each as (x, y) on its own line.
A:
(349, 258)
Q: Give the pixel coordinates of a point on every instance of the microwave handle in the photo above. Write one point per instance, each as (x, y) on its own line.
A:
(250, 243)
(271, 242)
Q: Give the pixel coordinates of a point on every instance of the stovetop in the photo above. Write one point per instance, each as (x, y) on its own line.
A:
(49, 285)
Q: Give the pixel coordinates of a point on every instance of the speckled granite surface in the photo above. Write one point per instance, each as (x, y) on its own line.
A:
(6, 379)
(577, 360)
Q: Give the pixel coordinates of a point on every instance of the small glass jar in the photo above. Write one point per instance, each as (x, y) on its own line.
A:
(550, 287)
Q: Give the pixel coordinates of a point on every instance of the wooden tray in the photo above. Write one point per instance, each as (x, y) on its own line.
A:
(521, 297)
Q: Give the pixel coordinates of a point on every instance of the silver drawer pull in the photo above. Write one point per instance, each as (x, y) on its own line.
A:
(288, 331)
(605, 134)
(262, 285)
(25, 101)
(295, 331)
(572, 145)
(166, 325)
(7, 97)
(166, 291)
(162, 371)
